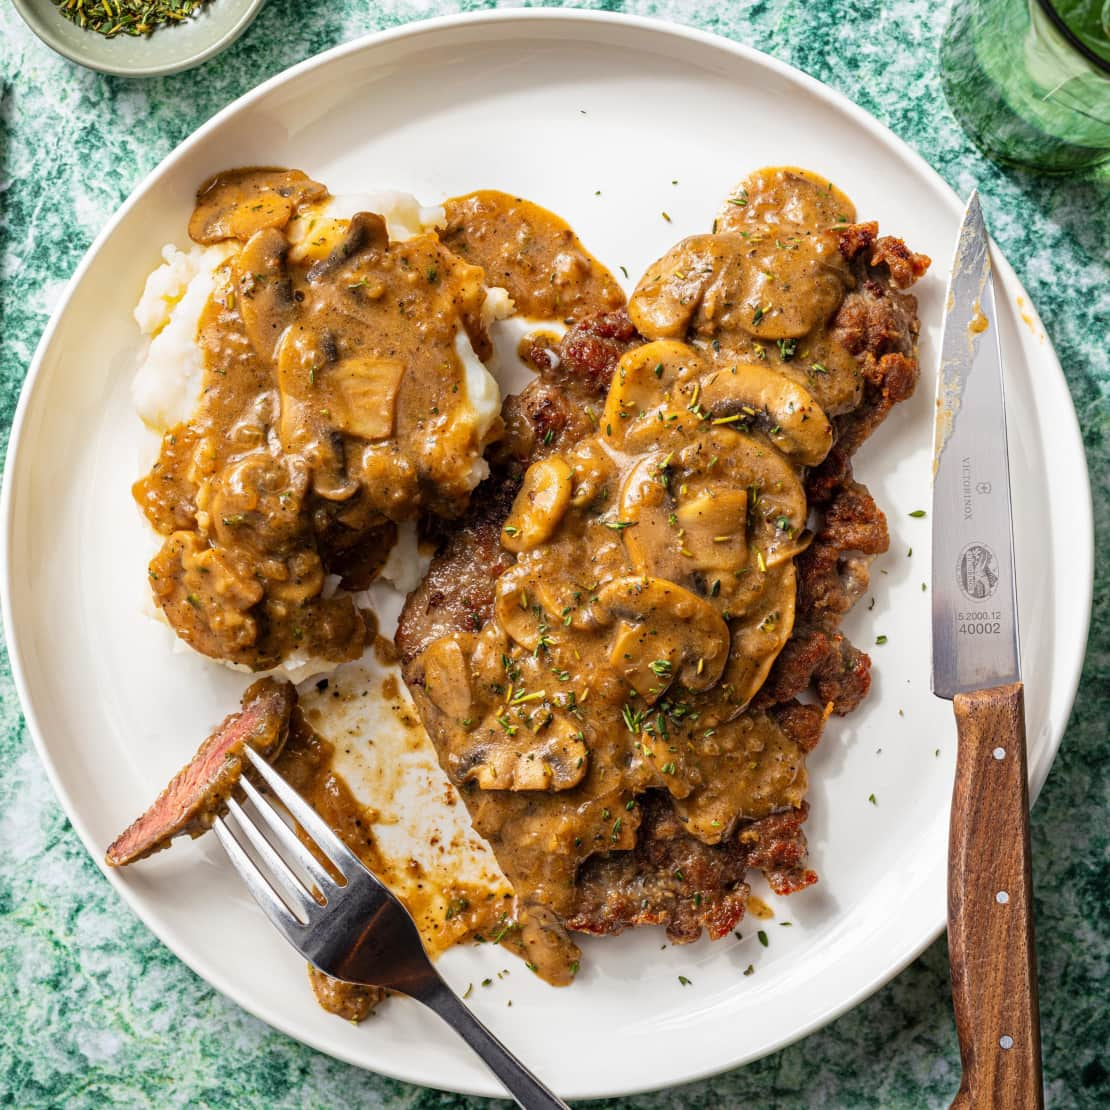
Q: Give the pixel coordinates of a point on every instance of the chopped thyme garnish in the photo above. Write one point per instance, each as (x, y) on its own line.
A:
(633, 718)
(880, 639)
(129, 17)
(763, 938)
(918, 513)
(684, 981)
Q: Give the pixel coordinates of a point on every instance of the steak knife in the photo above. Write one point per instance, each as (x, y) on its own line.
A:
(976, 665)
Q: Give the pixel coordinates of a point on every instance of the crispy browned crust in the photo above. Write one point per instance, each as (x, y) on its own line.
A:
(673, 879)
(670, 878)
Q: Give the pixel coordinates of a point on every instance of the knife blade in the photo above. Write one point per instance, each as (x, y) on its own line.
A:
(976, 664)
(975, 621)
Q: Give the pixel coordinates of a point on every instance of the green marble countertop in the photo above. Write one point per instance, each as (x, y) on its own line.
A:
(95, 1011)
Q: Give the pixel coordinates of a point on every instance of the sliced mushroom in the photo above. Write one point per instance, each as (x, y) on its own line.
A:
(237, 203)
(367, 231)
(510, 756)
(305, 358)
(540, 504)
(714, 516)
(517, 609)
(362, 395)
(690, 529)
(759, 636)
(714, 286)
(644, 379)
(264, 291)
(447, 677)
(663, 633)
(784, 197)
(793, 420)
(593, 470)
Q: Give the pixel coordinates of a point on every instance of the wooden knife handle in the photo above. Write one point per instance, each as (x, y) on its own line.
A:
(990, 913)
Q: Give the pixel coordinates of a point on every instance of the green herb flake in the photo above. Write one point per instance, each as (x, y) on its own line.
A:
(880, 639)
(917, 514)
(763, 938)
(684, 981)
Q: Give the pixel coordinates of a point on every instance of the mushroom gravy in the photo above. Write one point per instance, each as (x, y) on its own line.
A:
(648, 580)
(342, 394)
(608, 708)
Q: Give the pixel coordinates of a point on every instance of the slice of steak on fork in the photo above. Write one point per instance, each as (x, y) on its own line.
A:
(197, 794)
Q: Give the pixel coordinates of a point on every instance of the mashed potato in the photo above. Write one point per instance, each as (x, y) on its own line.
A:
(169, 379)
(168, 383)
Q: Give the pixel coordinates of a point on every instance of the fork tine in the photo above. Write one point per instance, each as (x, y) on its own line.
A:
(294, 894)
(264, 894)
(338, 852)
(288, 839)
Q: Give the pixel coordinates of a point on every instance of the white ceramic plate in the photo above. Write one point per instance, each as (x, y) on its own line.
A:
(557, 106)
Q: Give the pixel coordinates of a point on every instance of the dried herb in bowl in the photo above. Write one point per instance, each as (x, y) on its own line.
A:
(127, 17)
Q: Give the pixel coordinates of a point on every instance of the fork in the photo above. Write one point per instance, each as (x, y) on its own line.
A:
(355, 930)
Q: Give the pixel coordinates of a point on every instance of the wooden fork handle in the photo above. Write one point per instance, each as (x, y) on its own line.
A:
(990, 914)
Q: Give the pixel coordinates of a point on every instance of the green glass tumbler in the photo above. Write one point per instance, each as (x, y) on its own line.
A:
(1029, 80)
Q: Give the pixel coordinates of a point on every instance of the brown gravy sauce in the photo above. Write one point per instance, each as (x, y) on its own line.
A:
(654, 581)
(532, 253)
(334, 404)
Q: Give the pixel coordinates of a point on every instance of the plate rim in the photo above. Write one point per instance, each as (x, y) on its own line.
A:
(431, 27)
